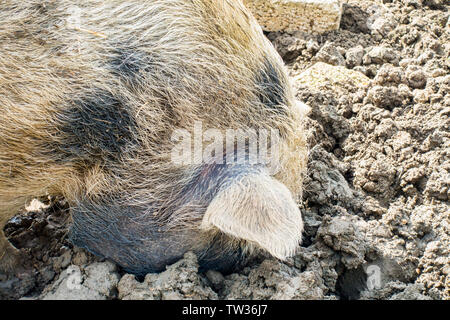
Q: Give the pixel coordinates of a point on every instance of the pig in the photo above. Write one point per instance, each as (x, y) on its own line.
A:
(91, 93)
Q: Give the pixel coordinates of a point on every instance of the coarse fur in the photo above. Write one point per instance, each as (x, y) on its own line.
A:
(90, 93)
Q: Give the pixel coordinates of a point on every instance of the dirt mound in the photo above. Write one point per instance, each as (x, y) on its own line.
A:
(376, 199)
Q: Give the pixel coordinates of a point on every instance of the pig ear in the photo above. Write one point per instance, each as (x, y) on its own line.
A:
(259, 209)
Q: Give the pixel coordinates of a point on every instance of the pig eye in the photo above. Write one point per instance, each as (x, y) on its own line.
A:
(271, 91)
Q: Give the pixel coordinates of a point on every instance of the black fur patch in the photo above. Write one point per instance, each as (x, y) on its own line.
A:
(139, 244)
(219, 256)
(271, 89)
(99, 125)
(130, 65)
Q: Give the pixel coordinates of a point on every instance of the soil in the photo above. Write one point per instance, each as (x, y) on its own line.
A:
(376, 198)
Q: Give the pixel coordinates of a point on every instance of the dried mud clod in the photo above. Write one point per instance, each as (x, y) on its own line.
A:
(40, 235)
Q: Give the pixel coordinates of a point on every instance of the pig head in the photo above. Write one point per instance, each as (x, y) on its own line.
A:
(225, 213)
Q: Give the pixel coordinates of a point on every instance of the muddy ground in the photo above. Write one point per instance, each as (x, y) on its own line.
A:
(376, 199)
